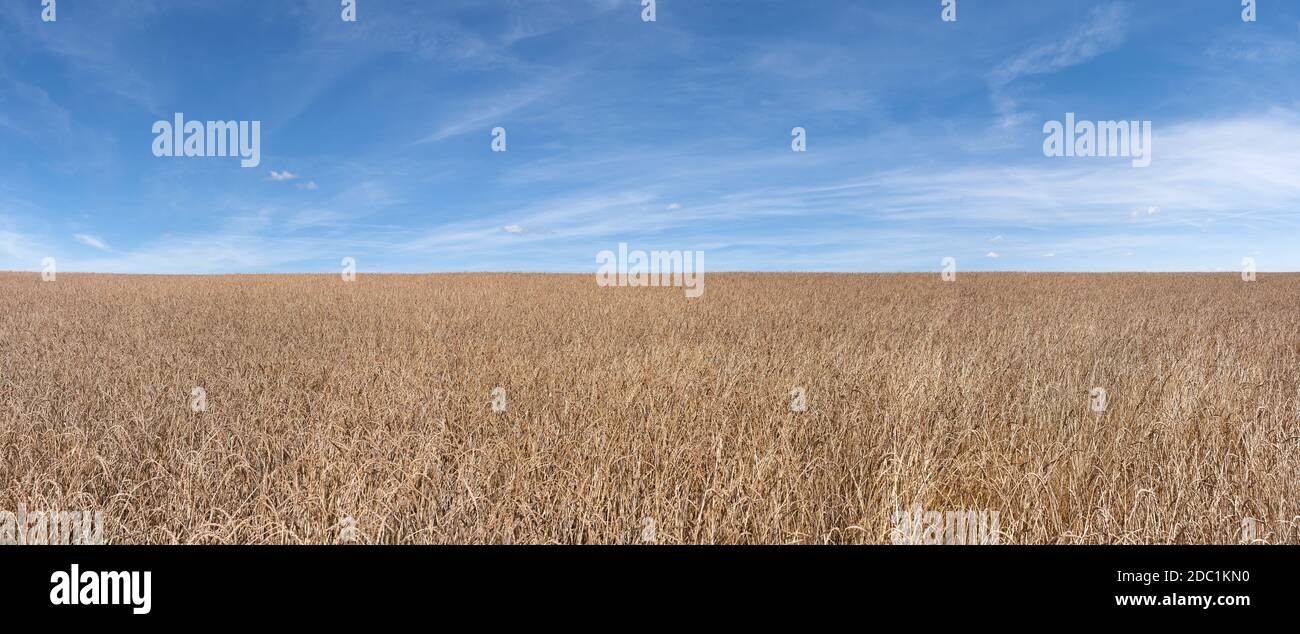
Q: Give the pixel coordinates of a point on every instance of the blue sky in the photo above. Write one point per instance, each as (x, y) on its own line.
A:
(924, 138)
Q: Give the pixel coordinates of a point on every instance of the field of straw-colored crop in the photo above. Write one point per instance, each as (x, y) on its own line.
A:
(635, 414)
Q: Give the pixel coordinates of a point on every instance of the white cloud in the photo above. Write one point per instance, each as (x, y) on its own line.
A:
(674, 206)
(1105, 30)
(91, 241)
(18, 251)
(1049, 255)
(309, 185)
(208, 254)
(997, 238)
(490, 112)
(992, 255)
(283, 176)
(515, 229)
(1235, 173)
(1241, 170)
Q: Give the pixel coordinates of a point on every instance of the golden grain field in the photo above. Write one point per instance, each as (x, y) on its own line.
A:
(629, 408)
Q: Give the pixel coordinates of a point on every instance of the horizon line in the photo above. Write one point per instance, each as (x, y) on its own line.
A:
(730, 272)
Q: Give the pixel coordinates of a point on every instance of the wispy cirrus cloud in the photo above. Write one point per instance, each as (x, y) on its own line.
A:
(1104, 30)
(91, 241)
(489, 111)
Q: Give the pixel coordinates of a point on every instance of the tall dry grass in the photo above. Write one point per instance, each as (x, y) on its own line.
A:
(370, 400)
